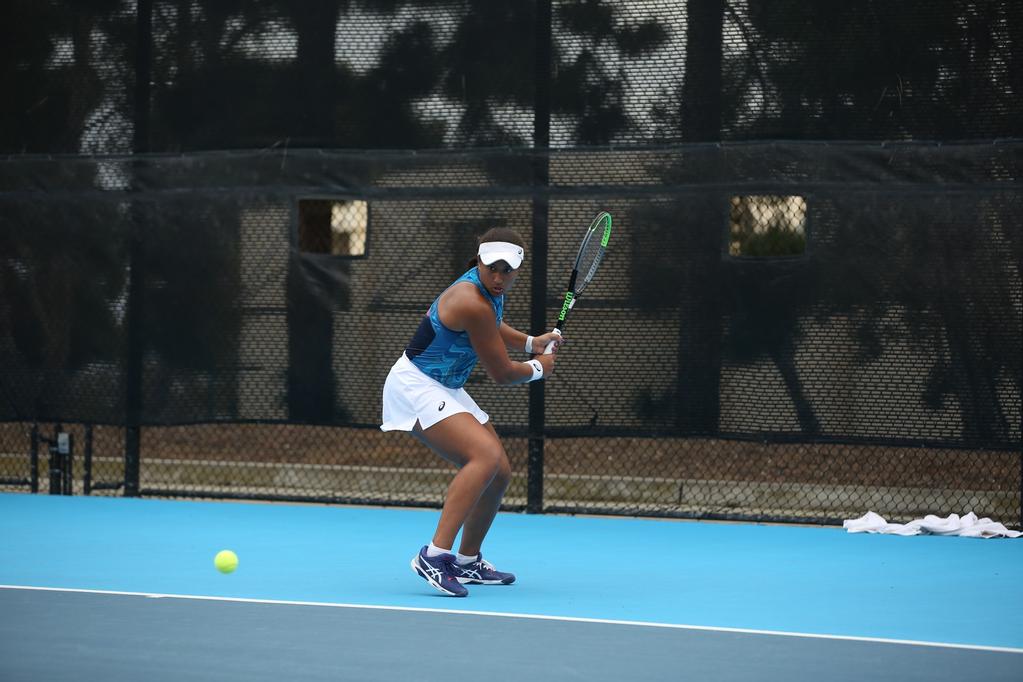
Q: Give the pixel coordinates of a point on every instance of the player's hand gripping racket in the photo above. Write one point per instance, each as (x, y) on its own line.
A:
(591, 253)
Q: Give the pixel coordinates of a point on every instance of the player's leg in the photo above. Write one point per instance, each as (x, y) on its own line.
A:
(470, 567)
(475, 493)
(476, 525)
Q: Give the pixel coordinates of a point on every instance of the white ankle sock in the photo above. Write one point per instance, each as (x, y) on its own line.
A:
(466, 558)
(433, 550)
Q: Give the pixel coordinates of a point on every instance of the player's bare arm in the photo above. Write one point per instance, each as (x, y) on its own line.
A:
(463, 308)
(515, 341)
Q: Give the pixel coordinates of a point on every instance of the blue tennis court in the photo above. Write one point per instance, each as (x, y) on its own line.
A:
(118, 589)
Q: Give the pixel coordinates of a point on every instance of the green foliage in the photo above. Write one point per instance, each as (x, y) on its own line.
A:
(872, 70)
(775, 241)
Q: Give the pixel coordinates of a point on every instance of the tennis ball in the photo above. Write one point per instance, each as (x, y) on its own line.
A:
(226, 561)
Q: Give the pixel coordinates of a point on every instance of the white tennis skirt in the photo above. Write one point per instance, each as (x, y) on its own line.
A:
(411, 396)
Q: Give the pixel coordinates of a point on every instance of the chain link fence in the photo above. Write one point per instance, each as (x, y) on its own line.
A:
(808, 351)
(796, 330)
(689, 478)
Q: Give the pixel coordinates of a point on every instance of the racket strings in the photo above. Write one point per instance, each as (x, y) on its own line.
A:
(589, 259)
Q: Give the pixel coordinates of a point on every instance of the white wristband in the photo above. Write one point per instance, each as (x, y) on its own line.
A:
(537, 369)
(529, 343)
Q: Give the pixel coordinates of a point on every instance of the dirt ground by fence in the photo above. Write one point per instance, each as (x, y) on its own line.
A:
(811, 463)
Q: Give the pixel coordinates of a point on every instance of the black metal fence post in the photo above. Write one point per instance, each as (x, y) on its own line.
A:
(136, 285)
(87, 462)
(56, 466)
(34, 459)
(541, 179)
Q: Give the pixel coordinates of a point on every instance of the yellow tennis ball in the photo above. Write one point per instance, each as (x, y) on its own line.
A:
(226, 561)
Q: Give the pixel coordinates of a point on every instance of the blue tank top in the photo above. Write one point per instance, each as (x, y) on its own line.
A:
(444, 354)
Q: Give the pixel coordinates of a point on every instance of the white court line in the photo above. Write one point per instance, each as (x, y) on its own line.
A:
(497, 614)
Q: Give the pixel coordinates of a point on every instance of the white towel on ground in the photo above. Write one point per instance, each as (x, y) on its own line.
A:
(966, 526)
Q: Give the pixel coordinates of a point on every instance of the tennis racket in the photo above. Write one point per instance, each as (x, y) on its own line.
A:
(591, 253)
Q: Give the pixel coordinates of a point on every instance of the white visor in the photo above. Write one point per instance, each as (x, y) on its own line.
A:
(491, 252)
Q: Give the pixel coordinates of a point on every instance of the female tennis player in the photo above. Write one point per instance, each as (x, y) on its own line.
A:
(423, 394)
